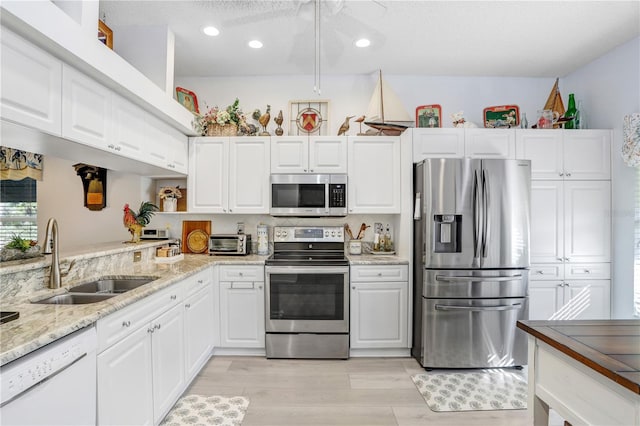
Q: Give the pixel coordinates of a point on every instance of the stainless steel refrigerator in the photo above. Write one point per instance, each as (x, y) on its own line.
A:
(471, 248)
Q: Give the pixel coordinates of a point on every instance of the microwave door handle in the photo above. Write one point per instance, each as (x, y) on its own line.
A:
(327, 203)
(478, 308)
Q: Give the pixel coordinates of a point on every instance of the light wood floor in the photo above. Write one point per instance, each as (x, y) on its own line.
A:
(359, 391)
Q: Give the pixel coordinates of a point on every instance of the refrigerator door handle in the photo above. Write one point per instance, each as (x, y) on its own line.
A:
(478, 308)
(486, 211)
(456, 279)
(476, 215)
(417, 207)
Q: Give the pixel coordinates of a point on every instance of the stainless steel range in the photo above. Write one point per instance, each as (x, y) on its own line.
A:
(307, 297)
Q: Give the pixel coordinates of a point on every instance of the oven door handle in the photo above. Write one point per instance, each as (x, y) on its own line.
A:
(306, 270)
(478, 308)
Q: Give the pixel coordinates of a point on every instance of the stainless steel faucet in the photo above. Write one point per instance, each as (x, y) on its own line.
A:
(50, 246)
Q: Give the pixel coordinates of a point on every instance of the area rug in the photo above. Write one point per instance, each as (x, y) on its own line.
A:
(473, 390)
(207, 410)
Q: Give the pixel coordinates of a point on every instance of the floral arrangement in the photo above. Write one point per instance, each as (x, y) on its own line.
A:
(231, 114)
(170, 192)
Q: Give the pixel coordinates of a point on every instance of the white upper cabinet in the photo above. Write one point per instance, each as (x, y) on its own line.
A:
(566, 154)
(437, 143)
(31, 84)
(249, 175)
(587, 154)
(489, 143)
(229, 175)
(374, 174)
(327, 154)
(463, 142)
(86, 109)
(167, 147)
(208, 180)
(130, 130)
(308, 154)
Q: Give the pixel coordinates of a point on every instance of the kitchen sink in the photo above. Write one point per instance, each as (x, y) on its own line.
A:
(111, 285)
(74, 299)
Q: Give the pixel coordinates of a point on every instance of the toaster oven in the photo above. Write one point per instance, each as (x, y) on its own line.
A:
(231, 244)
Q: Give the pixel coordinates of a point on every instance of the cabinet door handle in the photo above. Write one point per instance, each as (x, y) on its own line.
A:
(188, 305)
(586, 271)
(126, 323)
(200, 281)
(540, 272)
(156, 327)
(560, 259)
(310, 170)
(110, 146)
(566, 259)
(240, 273)
(174, 297)
(560, 174)
(354, 287)
(118, 148)
(568, 174)
(150, 330)
(305, 170)
(260, 287)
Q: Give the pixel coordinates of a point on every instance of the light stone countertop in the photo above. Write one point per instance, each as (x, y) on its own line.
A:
(40, 324)
(376, 259)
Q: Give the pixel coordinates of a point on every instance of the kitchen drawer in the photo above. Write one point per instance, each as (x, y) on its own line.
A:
(546, 272)
(596, 271)
(197, 281)
(371, 273)
(124, 322)
(242, 273)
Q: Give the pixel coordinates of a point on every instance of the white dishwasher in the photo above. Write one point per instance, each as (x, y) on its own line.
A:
(54, 385)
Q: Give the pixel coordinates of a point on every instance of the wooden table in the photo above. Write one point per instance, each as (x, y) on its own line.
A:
(587, 371)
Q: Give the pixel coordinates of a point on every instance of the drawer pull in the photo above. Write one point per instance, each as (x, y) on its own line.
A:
(379, 274)
(586, 271)
(126, 323)
(539, 272)
(241, 274)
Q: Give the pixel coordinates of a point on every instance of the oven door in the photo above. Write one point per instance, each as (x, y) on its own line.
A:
(307, 299)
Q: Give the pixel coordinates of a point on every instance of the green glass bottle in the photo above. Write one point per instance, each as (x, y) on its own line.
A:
(571, 112)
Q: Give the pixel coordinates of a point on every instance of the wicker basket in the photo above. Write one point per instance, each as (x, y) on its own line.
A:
(229, 129)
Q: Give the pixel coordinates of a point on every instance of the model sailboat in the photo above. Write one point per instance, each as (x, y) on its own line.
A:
(385, 112)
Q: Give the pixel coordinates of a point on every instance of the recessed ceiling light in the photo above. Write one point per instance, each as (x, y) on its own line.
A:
(256, 44)
(211, 31)
(363, 42)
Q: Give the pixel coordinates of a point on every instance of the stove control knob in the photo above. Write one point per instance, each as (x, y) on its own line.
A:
(326, 233)
(284, 233)
(333, 233)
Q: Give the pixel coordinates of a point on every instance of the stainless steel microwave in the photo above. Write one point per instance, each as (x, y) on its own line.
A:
(312, 195)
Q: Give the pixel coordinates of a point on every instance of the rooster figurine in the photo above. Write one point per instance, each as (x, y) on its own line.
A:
(136, 221)
(264, 120)
(279, 119)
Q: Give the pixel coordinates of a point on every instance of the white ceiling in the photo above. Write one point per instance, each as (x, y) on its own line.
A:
(479, 38)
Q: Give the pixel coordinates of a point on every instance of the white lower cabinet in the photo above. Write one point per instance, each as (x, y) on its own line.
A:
(125, 383)
(198, 327)
(569, 300)
(167, 361)
(379, 307)
(241, 307)
(148, 352)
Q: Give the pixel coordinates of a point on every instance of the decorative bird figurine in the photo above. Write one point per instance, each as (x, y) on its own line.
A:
(345, 126)
(264, 120)
(359, 120)
(136, 221)
(279, 119)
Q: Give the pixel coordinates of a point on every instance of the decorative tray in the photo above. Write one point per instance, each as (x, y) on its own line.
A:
(501, 117)
(383, 252)
(171, 259)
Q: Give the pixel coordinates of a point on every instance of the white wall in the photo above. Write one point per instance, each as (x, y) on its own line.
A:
(610, 88)
(350, 94)
(60, 195)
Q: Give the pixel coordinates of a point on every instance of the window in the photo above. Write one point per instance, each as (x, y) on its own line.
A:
(18, 210)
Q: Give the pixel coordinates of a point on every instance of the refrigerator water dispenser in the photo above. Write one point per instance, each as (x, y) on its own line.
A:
(446, 233)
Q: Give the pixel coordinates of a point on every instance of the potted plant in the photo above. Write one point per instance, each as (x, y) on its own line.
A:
(169, 196)
(219, 122)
